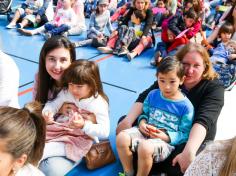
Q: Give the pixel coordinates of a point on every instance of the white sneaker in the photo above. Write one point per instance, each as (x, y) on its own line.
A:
(11, 26)
(105, 50)
(131, 55)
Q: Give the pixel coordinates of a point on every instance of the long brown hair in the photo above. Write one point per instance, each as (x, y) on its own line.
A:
(147, 4)
(229, 167)
(84, 72)
(23, 131)
(209, 73)
(45, 82)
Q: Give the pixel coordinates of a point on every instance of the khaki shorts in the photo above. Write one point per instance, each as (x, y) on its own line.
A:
(161, 149)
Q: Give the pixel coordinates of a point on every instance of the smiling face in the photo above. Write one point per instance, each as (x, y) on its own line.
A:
(169, 84)
(194, 68)
(57, 61)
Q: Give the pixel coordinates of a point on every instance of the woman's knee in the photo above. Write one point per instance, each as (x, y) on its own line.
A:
(58, 166)
(123, 140)
(145, 149)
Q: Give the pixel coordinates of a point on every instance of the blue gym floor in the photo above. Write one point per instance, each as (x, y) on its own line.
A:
(122, 80)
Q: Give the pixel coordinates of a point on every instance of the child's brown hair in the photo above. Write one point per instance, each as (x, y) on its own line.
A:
(84, 72)
(226, 28)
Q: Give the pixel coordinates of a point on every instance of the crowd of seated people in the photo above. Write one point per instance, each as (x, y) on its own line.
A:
(202, 67)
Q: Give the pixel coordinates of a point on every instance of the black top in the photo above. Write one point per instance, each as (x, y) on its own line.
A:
(207, 98)
(177, 24)
(148, 19)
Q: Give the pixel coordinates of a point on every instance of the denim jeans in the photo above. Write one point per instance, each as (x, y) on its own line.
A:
(54, 30)
(56, 166)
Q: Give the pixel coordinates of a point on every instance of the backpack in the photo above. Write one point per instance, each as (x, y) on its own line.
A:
(5, 6)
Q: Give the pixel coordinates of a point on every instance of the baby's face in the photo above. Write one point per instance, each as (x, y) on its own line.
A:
(67, 108)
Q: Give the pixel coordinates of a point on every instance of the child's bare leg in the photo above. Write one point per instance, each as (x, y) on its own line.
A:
(145, 160)
(16, 17)
(24, 23)
(123, 142)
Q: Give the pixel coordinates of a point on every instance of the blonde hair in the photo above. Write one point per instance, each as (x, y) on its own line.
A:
(229, 168)
(147, 4)
(209, 73)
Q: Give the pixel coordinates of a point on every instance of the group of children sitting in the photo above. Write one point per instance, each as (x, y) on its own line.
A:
(178, 26)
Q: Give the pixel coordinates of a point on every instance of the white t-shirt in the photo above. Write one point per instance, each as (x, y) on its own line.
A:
(9, 81)
(29, 170)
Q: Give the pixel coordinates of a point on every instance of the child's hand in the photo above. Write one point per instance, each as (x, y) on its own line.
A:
(158, 133)
(87, 115)
(48, 117)
(28, 11)
(143, 127)
(76, 120)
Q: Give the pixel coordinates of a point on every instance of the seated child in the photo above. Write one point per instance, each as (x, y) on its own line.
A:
(166, 121)
(72, 135)
(27, 13)
(127, 34)
(98, 21)
(159, 13)
(178, 31)
(64, 19)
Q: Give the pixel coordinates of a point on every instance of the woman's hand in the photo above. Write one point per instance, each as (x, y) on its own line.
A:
(48, 117)
(184, 159)
(143, 127)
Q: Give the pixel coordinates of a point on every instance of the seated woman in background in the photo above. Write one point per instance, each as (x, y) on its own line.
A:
(22, 139)
(146, 38)
(217, 159)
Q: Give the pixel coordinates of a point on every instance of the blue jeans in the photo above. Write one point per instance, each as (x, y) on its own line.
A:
(56, 166)
(56, 30)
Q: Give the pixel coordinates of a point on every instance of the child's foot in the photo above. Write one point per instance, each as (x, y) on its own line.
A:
(105, 50)
(131, 55)
(11, 26)
(123, 51)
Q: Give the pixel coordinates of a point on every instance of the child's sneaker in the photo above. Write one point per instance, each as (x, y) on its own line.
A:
(121, 174)
(105, 50)
(11, 26)
(123, 51)
(131, 55)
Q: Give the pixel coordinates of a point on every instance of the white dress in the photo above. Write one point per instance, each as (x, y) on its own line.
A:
(210, 161)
